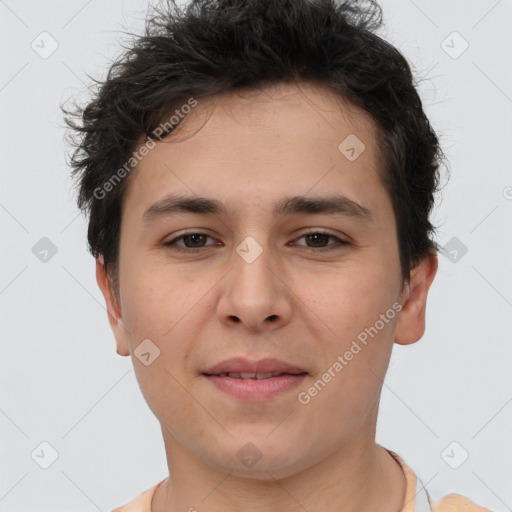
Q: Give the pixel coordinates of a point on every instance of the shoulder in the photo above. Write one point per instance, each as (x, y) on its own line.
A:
(450, 503)
(457, 503)
(142, 503)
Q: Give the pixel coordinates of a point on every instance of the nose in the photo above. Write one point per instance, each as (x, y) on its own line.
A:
(254, 295)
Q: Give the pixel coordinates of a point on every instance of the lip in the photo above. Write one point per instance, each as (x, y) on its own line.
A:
(240, 364)
(255, 389)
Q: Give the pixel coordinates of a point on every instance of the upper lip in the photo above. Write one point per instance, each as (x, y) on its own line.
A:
(242, 365)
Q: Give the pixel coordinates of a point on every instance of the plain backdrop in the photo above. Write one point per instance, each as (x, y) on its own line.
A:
(447, 400)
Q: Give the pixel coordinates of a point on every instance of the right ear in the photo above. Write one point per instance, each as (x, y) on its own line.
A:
(115, 317)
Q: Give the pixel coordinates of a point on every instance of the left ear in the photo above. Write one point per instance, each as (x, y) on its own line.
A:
(410, 325)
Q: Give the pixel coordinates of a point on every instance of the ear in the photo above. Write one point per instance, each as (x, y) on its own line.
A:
(113, 309)
(411, 319)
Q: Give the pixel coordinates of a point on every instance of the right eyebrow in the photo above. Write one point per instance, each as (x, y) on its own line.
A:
(174, 204)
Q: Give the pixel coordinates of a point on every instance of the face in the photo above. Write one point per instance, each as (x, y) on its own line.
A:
(291, 255)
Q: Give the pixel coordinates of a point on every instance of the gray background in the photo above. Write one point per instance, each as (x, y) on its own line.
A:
(61, 380)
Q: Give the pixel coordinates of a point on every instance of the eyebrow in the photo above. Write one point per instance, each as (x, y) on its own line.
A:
(332, 204)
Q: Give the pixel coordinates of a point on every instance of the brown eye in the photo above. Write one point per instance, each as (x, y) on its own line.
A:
(190, 241)
(320, 239)
(194, 240)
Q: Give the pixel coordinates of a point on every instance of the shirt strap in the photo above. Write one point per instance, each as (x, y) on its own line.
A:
(422, 500)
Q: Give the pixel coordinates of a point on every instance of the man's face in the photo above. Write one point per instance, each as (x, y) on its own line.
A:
(254, 284)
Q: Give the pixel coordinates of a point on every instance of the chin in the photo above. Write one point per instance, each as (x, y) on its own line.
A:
(261, 459)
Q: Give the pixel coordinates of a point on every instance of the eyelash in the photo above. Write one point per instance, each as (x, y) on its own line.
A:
(172, 243)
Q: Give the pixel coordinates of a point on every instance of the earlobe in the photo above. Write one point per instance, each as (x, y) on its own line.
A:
(411, 320)
(113, 308)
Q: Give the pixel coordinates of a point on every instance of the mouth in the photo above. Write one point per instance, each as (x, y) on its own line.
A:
(249, 375)
(254, 381)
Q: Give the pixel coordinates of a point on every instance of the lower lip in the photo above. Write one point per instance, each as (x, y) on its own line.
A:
(256, 389)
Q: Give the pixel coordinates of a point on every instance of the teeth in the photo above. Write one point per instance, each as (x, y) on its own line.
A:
(243, 375)
(265, 375)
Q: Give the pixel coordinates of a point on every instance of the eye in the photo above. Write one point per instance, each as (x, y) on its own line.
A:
(197, 240)
(320, 238)
(193, 240)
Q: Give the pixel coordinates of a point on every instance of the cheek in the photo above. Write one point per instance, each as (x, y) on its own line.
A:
(168, 308)
(154, 301)
(167, 396)
(351, 306)
(347, 300)
(154, 309)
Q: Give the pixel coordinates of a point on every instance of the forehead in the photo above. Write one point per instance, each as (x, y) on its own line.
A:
(253, 145)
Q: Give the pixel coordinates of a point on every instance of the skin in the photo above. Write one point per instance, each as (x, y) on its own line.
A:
(294, 303)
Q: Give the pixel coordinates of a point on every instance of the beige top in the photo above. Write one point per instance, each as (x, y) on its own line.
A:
(416, 497)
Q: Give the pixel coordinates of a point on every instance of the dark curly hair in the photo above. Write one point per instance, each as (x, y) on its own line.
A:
(215, 46)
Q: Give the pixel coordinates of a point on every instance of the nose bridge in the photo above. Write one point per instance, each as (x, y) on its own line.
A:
(252, 277)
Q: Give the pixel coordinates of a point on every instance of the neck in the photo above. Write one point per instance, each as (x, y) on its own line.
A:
(358, 479)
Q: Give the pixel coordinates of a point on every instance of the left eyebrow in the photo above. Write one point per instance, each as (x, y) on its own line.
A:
(334, 204)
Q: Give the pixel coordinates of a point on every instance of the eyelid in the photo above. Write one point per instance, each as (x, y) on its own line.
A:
(319, 231)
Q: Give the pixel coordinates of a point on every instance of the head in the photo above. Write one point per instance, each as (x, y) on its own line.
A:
(259, 178)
